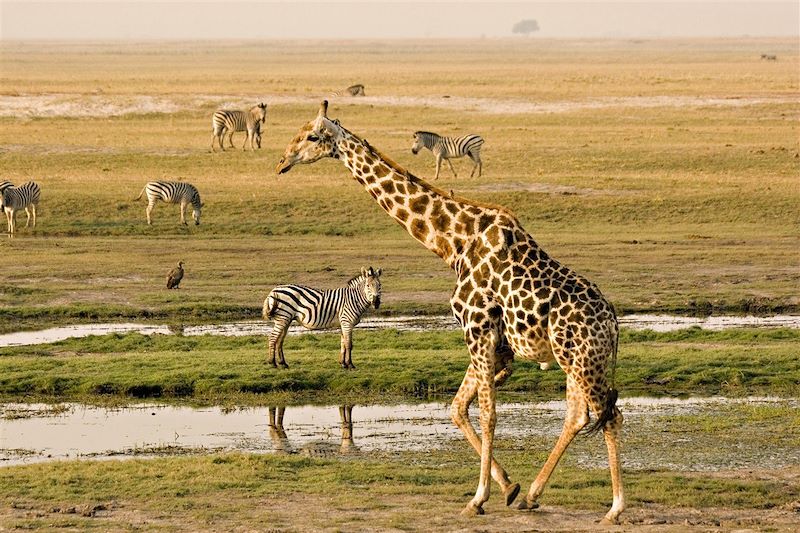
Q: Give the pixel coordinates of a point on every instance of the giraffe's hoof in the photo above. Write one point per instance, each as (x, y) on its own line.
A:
(511, 493)
(471, 510)
(525, 505)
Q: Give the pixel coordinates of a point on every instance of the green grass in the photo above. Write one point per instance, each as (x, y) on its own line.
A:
(391, 364)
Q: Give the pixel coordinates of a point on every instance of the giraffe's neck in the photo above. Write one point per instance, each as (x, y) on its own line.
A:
(435, 219)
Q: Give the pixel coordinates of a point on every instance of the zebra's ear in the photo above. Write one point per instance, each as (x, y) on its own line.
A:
(363, 271)
(379, 272)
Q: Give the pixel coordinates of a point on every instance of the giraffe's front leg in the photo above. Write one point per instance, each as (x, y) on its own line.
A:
(459, 413)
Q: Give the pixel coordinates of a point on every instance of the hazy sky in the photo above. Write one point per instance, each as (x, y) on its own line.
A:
(144, 19)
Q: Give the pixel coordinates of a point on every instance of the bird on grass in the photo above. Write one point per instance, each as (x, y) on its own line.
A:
(175, 276)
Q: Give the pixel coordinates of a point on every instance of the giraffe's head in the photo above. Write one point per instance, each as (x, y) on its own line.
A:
(370, 282)
(315, 140)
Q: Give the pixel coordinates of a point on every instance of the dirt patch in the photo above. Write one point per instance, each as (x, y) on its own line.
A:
(544, 188)
(290, 512)
(72, 105)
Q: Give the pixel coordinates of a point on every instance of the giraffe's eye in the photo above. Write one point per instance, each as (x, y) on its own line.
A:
(313, 138)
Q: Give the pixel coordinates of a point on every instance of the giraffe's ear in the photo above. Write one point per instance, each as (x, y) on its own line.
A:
(323, 109)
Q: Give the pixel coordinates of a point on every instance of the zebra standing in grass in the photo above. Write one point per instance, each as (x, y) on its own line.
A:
(172, 192)
(449, 147)
(226, 121)
(12, 199)
(353, 90)
(317, 309)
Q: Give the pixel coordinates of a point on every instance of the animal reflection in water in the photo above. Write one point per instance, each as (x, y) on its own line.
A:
(315, 448)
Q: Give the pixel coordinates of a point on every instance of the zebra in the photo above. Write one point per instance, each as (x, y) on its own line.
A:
(449, 147)
(226, 121)
(26, 197)
(5, 185)
(353, 90)
(172, 192)
(317, 309)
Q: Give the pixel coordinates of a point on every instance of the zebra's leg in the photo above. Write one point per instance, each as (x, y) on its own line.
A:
(438, 166)
(33, 210)
(183, 213)
(346, 356)
(274, 337)
(244, 144)
(281, 358)
(451, 167)
(213, 138)
(230, 140)
(476, 158)
(9, 221)
(27, 216)
(149, 210)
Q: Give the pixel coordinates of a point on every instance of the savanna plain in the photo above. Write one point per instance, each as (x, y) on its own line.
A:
(666, 171)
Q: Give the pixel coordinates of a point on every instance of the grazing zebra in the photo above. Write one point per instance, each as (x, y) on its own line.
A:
(317, 309)
(226, 121)
(353, 90)
(769, 57)
(12, 199)
(449, 147)
(172, 192)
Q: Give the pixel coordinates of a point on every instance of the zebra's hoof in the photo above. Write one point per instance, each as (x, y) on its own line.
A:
(283, 365)
(511, 493)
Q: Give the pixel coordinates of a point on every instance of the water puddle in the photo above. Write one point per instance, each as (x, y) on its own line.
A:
(660, 323)
(654, 436)
(98, 105)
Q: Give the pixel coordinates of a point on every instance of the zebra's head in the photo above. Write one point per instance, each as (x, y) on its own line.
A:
(260, 112)
(315, 140)
(370, 283)
(419, 142)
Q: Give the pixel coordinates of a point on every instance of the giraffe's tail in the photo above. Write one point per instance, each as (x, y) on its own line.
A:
(609, 411)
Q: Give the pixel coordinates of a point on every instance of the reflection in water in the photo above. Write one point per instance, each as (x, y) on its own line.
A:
(317, 447)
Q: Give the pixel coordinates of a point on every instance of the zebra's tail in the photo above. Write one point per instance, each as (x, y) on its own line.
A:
(270, 306)
(140, 194)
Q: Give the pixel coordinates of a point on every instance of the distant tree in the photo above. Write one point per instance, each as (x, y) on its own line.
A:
(525, 27)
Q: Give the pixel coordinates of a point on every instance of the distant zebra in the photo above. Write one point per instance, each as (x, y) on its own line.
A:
(227, 121)
(317, 309)
(12, 199)
(172, 192)
(450, 147)
(769, 57)
(353, 90)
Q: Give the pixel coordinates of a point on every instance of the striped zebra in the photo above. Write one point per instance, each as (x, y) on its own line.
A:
(12, 199)
(227, 121)
(353, 90)
(5, 185)
(449, 147)
(318, 309)
(172, 192)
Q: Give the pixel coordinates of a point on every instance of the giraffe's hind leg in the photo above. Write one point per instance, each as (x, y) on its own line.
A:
(611, 433)
(577, 417)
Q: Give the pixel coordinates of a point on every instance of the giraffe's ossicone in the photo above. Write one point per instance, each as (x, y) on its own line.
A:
(511, 299)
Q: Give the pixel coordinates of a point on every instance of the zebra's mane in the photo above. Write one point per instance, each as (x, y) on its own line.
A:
(356, 280)
(424, 184)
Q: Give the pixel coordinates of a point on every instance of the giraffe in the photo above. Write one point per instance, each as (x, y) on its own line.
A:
(511, 300)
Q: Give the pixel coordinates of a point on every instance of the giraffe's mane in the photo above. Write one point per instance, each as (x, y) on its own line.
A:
(398, 168)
